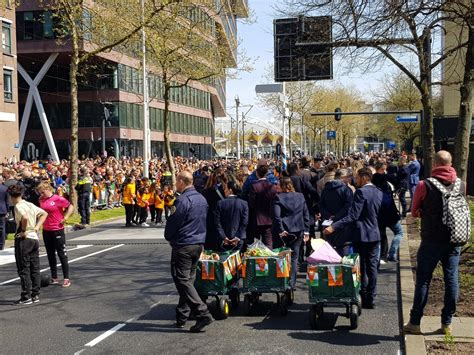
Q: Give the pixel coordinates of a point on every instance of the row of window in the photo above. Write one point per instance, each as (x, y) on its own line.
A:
(7, 37)
(131, 79)
(122, 114)
(7, 84)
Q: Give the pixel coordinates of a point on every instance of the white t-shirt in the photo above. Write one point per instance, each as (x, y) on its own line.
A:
(31, 212)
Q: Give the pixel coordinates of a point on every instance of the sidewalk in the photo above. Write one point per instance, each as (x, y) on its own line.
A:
(463, 327)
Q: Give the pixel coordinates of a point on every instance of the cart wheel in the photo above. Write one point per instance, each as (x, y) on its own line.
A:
(223, 308)
(290, 296)
(283, 304)
(234, 298)
(359, 305)
(247, 305)
(354, 316)
(315, 314)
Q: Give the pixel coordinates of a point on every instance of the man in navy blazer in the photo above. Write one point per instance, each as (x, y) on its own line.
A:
(3, 213)
(231, 218)
(366, 236)
(414, 178)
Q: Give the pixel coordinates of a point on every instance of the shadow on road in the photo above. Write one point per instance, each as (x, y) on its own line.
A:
(343, 337)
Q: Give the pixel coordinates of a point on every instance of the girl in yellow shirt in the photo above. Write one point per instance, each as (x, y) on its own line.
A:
(169, 198)
(159, 205)
(129, 200)
(143, 200)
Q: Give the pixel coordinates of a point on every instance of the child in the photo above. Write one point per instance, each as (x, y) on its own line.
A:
(159, 205)
(169, 198)
(143, 197)
(129, 199)
(151, 202)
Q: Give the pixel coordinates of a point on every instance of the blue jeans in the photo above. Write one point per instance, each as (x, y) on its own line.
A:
(427, 258)
(397, 238)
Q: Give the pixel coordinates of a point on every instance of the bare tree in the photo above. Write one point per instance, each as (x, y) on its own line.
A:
(370, 32)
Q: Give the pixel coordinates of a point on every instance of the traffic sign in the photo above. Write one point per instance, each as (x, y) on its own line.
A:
(407, 119)
(331, 134)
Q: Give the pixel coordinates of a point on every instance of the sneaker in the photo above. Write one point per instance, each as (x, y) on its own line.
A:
(446, 329)
(201, 324)
(35, 299)
(180, 325)
(54, 282)
(23, 301)
(128, 225)
(412, 329)
(66, 283)
(144, 224)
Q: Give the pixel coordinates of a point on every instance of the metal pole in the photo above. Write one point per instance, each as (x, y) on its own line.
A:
(285, 114)
(237, 103)
(146, 119)
(243, 134)
(103, 137)
(326, 136)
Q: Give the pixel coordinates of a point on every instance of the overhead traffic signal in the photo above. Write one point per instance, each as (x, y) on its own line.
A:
(337, 115)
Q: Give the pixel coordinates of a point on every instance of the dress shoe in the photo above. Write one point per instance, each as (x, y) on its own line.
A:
(201, 324)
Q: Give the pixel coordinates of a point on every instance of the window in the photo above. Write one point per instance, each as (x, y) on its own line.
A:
(8, 84)
(6, 38)
(28, 23)
(48, 25)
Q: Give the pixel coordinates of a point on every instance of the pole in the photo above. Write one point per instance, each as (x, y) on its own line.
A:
(243, 134)
(326, 136)
(284, 119)
(103, 137)
(146, 119)
(237, 103)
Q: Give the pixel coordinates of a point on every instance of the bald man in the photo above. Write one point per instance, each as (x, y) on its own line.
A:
(186, 232)
(435, 244)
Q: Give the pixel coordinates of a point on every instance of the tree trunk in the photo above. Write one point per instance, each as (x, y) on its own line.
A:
(166, 126)
(73, 71)
(290, 150)
(427, 132)
(463, 134)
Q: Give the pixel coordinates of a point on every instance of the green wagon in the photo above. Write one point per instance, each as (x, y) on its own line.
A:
(334, 285)
(217, 278)
(267, 274)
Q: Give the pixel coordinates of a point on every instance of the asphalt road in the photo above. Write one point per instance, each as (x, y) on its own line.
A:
(122, 301)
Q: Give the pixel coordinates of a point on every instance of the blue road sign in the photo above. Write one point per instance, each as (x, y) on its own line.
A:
(331, 134)
(407, 119)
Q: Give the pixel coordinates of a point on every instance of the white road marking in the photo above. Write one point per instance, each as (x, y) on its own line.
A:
(119, 326)
(105, 335)
(8, 256)
(70, 261)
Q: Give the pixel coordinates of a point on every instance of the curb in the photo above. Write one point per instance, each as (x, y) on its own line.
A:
(414, 344)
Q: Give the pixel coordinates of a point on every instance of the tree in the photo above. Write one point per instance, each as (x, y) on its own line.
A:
(89, 31)
(370, 32)
(463, 136)
(184, 47)
(398, 92)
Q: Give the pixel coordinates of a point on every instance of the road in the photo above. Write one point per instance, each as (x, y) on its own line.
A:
(122, 301)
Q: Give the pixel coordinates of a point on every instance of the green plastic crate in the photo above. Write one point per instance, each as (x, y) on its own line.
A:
(221, 285)
(349, 290)
(269, 283)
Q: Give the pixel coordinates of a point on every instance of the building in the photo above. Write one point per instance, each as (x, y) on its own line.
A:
(114, 85)
(8, 85)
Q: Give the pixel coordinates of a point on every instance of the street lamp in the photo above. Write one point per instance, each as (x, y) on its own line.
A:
(237, 104)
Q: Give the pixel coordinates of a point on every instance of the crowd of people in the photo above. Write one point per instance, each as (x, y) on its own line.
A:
(226, 205)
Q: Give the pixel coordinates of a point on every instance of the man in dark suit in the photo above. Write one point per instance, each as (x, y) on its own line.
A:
(366, 235)
(414, 170)
(3, 213)
(186, 232)
(231, 218)
(261, 196)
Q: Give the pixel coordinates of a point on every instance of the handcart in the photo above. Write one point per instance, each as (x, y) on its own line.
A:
(216, 278)
(335, 285)
(267, 274)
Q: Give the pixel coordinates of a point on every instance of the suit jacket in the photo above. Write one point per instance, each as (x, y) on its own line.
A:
(291, 213)
(3, 200)
(414, 169)
(261, 196)
(231, 217)
(363, 215)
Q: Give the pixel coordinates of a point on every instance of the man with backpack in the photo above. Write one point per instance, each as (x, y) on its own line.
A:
(445, 227)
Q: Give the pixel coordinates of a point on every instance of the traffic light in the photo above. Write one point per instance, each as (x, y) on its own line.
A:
(337, 115)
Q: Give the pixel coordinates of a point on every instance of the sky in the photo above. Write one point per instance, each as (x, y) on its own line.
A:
(256, 39)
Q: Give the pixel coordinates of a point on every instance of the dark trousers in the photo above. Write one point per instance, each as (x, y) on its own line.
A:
(136, 213)
(143, 214)
(128, 213)
(403, 200)
(264, 233)
(84, 208)
(28, 266)
(294, 241)
(55, 242)
(159, 215)
(369, 259)
(152, 213)
(2, 231)
(183, 269)
(427, 258)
